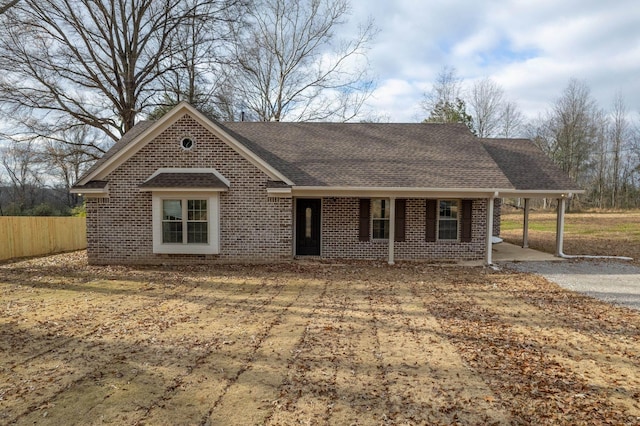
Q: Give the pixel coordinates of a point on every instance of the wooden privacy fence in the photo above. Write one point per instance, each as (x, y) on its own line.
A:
(22, 236)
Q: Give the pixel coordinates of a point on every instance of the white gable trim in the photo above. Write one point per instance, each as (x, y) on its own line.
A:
(165, 122)
(90, 192)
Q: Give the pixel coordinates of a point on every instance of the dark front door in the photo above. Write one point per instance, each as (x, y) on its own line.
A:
(308, 227)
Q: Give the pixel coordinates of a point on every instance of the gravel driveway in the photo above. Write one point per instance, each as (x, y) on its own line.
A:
(612, 281)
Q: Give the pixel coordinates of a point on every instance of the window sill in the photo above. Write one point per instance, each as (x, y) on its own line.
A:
(185, 249)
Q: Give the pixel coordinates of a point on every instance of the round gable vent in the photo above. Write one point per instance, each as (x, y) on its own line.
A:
(187, 143)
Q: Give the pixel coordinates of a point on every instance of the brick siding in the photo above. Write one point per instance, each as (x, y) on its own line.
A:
(253, 227)
(340, 234)
(497, 209)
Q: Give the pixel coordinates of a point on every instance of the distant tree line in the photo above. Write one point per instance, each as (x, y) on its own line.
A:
(599, 148)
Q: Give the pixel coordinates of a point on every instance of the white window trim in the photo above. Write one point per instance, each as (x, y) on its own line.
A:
(371, 219)
(213, 213)
(457, 238)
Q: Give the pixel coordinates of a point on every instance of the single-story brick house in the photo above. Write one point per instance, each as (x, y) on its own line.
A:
(188, 189)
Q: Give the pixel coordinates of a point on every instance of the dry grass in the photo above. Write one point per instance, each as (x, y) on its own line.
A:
(308, 344)
(592, 233)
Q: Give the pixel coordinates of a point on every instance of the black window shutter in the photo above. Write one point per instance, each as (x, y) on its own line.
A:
(432, 219)
(365, 207)
(401, 208)
(467, 213)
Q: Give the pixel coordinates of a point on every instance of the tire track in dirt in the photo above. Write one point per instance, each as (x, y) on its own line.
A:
(359, 397)
(309, 392)
(199, 338)
(530, 383)
(60, 372)
(256, 389)
(188, 399)
(111, 369)
(425, 383)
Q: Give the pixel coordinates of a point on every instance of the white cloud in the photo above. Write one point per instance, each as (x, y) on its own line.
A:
(396, 99)
(531, 48)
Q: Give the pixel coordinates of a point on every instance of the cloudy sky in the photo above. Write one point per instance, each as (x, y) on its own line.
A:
(530, 47)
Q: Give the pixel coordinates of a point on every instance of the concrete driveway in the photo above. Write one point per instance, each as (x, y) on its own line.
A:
(612, 281)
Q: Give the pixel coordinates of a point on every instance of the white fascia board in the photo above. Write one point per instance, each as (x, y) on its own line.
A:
(161, 125)
(539, 193)
(90, 193)
(188, 170)
(398, 192)
(279, 192)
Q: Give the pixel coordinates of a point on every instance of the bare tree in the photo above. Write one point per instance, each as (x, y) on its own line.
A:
(511, 123)
(446, 90)
(4, 6)
(574, 128)
(444, 103)
(22, 164)
(487, 107)
(66, 159)
(291, 66)
(619, 139)
(71, 63)
(197, 71)
(598, 183)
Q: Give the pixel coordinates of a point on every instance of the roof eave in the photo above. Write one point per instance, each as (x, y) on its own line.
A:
(398, 192)
(90, 192)
(541, 193)
(181, 189)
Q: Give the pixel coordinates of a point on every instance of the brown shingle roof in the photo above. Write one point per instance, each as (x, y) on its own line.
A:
(124, 141)
(94, 184)
(526, 166)
(184, 180)
(410, 155)
(418, 155)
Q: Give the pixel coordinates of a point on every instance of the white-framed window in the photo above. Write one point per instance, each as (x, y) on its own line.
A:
(186, 223)
(448, 215)
(380, 218)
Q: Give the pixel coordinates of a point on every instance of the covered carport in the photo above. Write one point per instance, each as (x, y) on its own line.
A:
(533, 175)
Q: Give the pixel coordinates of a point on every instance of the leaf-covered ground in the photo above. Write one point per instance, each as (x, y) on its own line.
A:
(305, 343)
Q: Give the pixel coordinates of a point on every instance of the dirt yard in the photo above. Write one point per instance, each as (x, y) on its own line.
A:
(308, 344)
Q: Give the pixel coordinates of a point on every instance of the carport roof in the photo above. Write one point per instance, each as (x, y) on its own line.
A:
(527, 167)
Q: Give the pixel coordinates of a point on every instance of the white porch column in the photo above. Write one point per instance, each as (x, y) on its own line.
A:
(560, 227)
(488, 259)
(392, 229)
(525, 227)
